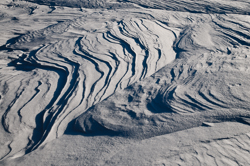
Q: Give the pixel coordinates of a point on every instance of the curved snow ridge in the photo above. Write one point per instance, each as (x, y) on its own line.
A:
(216, 82)
(212, 89)
(204, 84)
(219, 32)
(25, 94)
(83, 72)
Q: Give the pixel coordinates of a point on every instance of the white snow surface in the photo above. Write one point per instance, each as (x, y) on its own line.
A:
(128, 82)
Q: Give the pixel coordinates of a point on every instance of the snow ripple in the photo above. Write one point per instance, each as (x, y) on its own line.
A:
(67, 76)
(91, 74)
(207, 83)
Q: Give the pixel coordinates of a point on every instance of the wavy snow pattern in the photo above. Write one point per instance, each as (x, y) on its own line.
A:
(93, 73)
(206, 84)
(74, 74)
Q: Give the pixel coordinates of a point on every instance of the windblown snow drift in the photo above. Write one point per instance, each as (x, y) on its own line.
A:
(152, 68)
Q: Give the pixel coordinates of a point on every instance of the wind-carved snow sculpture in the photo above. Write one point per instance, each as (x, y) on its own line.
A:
(74, 65)
(208, 82)
(67, 75)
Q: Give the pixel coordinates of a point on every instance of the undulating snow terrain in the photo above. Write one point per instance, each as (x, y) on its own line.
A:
(125, 82)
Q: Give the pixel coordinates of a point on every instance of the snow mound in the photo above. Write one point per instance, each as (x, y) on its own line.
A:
(203, 85)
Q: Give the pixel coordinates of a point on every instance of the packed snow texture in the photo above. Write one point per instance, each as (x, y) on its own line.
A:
(141, 69)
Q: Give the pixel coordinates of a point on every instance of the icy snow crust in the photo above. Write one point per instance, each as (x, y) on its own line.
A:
(140, 70)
